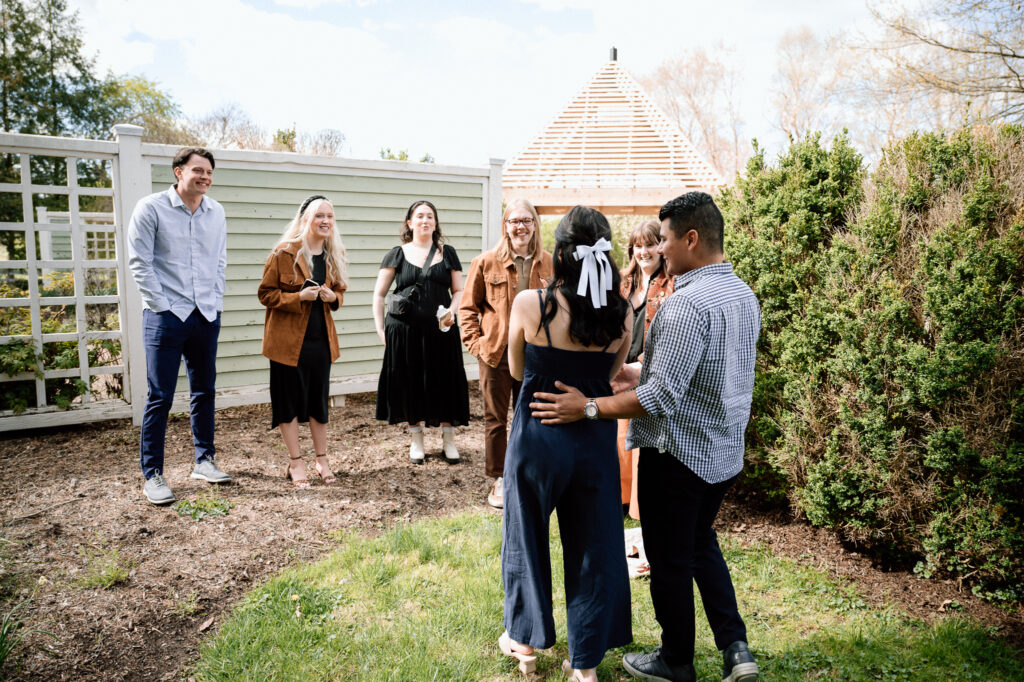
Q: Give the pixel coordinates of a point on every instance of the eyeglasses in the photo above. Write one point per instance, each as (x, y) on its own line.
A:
(516, 222)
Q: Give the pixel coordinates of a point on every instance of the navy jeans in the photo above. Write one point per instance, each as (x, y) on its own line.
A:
(678, 508)
(167, 339)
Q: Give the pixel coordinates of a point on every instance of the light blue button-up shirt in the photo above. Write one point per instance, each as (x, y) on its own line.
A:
(178, 257)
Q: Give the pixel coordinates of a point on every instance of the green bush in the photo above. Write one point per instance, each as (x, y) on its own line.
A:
(889, 401)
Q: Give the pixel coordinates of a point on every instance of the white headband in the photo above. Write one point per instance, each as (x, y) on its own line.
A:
(596, 271)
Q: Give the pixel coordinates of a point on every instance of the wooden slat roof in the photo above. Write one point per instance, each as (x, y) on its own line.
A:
(610, 140)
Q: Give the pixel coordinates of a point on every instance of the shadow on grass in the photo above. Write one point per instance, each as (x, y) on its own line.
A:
(424, 602)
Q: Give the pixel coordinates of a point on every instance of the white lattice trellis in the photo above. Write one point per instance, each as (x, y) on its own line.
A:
(101, 253)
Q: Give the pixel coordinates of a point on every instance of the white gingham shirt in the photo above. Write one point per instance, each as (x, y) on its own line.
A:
(697, 380)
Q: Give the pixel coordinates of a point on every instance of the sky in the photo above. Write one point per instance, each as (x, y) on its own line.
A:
(464, 81)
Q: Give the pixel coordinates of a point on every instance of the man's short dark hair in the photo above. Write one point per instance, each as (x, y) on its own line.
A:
(696, 211)
(182, 157)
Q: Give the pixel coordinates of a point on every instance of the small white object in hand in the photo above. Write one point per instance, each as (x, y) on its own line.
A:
(441, 313)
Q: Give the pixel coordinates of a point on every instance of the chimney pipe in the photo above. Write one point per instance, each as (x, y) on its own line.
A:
(614, 55)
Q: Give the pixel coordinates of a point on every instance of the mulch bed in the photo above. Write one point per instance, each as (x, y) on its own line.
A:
(74, 494)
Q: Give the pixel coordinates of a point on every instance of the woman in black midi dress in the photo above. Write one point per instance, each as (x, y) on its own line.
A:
(422, 380)
(304, 279)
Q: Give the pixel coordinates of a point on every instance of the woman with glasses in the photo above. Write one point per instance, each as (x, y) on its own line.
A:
(516, 263)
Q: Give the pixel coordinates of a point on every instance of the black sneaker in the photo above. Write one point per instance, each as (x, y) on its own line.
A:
(653, 667)
(738, 664)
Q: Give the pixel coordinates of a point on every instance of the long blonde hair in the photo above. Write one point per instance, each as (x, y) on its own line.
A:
(334, 250)
(647, 232)
(503, 249)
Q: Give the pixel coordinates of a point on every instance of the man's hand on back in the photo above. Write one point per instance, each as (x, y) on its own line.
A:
(559, 408)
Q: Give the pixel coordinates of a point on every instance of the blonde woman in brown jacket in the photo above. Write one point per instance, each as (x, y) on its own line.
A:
(516, 262)
(304, 279)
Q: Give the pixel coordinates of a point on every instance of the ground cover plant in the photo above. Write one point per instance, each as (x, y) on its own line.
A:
(889, 401)
(424, 601)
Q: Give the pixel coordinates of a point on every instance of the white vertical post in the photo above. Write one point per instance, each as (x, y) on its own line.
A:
(131, 184)
(492, 206)
(78, 255)
(31, 268)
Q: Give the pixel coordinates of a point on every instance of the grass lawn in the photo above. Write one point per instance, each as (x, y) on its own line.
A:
(423, 601)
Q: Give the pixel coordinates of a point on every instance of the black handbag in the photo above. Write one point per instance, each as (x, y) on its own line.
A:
(404, 305)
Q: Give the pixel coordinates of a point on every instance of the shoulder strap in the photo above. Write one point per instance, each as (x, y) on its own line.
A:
(426, 263)
(540, 300)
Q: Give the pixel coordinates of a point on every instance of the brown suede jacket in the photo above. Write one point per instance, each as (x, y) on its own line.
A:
(487, 302)
(287, 315)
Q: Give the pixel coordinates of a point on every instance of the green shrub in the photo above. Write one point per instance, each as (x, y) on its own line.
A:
(890, 388)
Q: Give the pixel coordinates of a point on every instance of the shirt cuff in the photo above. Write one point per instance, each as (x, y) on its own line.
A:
(646, 394)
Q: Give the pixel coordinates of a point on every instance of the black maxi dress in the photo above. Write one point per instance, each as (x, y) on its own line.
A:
(302, 391)
(423, 378)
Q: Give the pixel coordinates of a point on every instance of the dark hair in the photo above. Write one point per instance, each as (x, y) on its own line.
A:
(696, 211)
(183, 154)
(406, 232)
(588, 326)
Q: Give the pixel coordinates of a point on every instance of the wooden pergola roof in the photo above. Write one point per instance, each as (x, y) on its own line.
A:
(610, 148)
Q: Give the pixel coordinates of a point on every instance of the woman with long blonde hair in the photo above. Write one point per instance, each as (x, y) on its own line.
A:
(304, 279)
(516, 263)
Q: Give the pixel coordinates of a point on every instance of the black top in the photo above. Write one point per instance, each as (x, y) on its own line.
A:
(436, 287)
(316, 327)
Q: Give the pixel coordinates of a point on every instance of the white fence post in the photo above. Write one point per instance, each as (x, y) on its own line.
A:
(492, 202)
(132, 182)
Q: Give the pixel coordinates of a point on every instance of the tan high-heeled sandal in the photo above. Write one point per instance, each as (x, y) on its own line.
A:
(301, 483)
(527, 662)
(329, 478)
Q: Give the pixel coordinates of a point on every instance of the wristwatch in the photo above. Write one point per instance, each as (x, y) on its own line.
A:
(590, 409)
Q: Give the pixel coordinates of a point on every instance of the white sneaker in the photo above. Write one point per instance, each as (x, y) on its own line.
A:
(496, 498)
(451, 453)
(416, 447)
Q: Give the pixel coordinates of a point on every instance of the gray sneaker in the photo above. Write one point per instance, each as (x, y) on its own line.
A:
(157, 491)
(206, 470)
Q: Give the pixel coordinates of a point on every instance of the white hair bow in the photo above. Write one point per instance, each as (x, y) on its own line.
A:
(596, 272)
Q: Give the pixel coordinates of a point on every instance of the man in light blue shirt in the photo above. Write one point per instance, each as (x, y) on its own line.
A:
(177, 254)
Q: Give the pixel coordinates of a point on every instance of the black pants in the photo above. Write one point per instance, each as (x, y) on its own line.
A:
(678, 508)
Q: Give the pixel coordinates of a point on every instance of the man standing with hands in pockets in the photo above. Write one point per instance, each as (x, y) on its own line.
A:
(177, 254)
(689, 413)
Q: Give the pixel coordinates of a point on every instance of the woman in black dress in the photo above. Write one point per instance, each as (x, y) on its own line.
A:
(422, 380)
(304, 279)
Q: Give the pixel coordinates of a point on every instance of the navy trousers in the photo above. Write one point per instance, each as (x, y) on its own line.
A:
(678, 508)
(579, 480)
(167, 339)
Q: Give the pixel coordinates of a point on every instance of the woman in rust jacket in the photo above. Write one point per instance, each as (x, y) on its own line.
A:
(304, 279)
(645, 284)
(517, 262)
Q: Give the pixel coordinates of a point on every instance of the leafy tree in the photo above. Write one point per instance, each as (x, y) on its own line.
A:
(388, 155)
(285, 139)
(138, 100)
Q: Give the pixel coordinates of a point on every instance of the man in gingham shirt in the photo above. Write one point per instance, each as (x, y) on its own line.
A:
(689, 411)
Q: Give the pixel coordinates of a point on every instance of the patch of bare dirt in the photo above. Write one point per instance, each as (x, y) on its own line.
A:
(73, 497)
